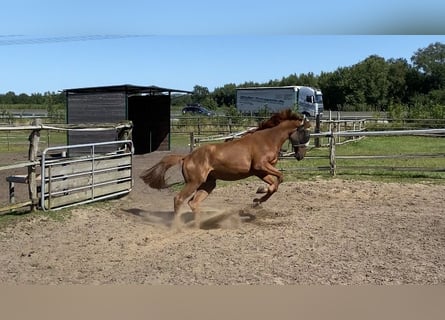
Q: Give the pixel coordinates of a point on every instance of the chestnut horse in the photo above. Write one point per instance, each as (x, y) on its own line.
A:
(254, 154)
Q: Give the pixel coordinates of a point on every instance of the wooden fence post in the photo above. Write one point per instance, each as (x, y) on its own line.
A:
(332, 163)
(317, 130)
(125, 133)
(192, 141)
(34, 139)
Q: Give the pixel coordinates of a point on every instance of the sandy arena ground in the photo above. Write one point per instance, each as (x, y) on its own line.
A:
(311, 232)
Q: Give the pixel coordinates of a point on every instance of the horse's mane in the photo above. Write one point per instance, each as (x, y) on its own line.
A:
(273, 121)
(279, 117)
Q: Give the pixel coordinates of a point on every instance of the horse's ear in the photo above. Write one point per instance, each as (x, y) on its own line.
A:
(306, 123)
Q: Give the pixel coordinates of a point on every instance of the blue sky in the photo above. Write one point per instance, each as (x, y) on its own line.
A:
(55, 45)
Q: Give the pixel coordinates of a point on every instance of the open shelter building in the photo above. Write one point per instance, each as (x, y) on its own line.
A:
(148, 107)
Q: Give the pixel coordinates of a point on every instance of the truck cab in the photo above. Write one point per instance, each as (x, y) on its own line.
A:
(310, 101)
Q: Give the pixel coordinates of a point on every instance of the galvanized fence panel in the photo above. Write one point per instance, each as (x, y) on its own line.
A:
(78, 180)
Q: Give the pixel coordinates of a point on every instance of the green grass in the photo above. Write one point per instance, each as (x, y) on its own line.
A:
(179, 140)
(380, 169)
(17, 140)
(9, 219)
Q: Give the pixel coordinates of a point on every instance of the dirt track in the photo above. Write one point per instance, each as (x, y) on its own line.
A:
(313, 232)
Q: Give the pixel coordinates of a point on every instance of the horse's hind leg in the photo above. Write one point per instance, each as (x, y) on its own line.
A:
(201, 194)
(179, 199)
(273, 183)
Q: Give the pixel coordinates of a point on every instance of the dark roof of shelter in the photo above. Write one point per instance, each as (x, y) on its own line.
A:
(127, 88)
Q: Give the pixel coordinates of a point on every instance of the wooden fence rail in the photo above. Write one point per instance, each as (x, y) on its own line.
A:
(333, 137)
(350, 135)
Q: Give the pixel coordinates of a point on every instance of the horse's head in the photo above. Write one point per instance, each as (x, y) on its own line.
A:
(300, 139)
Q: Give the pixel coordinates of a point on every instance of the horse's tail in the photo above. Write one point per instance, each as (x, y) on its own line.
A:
(155, 176)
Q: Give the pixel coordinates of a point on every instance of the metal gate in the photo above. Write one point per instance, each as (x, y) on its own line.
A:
(95, 176)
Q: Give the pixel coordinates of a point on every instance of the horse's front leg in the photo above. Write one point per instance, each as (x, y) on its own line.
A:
(273, 182)
(267, 168)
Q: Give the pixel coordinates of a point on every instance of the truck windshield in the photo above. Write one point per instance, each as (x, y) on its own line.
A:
(318, 98)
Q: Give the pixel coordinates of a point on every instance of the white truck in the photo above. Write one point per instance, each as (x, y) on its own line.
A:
(306, 100)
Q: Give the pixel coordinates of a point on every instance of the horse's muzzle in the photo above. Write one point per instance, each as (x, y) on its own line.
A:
(299, 152)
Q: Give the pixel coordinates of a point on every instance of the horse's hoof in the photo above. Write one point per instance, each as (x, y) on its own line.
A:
(176, 226)
(256, 203)
(261, 189)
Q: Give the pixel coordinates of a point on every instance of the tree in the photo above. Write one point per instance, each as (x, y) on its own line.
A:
(370, 81)
(308, 79)
(398, 70)
(332, 86)
(9, 98)
(430, 62)
(290, 80)
(225, 96)
(200, 93)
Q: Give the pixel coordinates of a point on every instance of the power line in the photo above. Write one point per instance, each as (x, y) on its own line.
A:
(19, 40)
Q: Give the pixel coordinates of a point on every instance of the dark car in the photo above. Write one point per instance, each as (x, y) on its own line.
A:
(197, 109)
